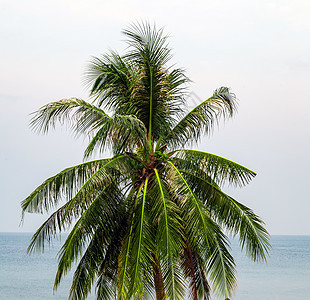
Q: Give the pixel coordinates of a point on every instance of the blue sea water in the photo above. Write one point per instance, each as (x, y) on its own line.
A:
(285, 277)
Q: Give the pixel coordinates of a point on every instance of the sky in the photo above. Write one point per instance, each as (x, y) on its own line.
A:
(260, 49)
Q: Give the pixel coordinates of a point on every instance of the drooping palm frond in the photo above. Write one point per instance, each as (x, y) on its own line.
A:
(64, 184)
(100, 261)
(74, 182)
(121, 131)
(124, 133)
(106, 285)
(102, 212)
(86, 188)
(219, 169)
(110, 272)
(206, 235)
(201, 119)
(194, 268)
(142, 247)
(61, 220)
(49, 229)
(87, 269)
(82, 116)
(232, 215)
(124, 258)
(166, 215)
(221, 265)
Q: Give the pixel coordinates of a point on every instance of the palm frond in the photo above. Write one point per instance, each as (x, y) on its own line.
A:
(193, 266)
(49, 229)
(99, 262)
(75, 183)
(159, 92)
(80, 115)
(87, 269)
(106, 286)
(147, 43)
(122, 132)
(232, 215)
(203, 231)
(218, 168)
(221, 265)
(61, 219)
(169, 239)
(103, 213)
(112, 81)
(140, 258)
(64, 184)
(201, 119)
(123, 280)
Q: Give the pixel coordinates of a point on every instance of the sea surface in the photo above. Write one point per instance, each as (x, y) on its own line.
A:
(286, 276)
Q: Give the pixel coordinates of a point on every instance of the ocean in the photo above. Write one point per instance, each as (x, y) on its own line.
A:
(286, 276)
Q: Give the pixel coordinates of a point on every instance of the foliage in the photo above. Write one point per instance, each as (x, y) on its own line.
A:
(150, 219)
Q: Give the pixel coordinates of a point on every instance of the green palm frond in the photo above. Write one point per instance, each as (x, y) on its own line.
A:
(64, 184)
(142, 246)
(99, 263)
(103, 213)
(252, 234)
(106, 286)
(48, 230)
(123, 280)
(124, 133)
(148, 44)
(203, 231)
(85, 273)
(234, 216)
(202, 118)
(219, 169)
(75, 183)
(121, 131)
(193, 267)
(74, 207)
(167, 215)
(112, 81)
(159, 91)
(82, 116)
(221, 265)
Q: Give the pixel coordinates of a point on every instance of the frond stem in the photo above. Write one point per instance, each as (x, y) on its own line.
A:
(129, 242)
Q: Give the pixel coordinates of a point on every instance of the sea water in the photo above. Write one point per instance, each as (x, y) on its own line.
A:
(286, 276)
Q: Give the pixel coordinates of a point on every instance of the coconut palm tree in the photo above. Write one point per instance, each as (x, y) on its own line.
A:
(151, 219)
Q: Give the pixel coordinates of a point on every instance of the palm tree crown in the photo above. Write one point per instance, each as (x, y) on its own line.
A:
(151, 219)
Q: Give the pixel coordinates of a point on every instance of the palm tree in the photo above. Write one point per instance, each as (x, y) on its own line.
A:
(151, 219)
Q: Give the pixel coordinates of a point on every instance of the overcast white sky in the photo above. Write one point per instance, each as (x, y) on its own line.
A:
(261, 49)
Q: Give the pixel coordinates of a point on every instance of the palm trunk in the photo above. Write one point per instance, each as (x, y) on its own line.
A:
(158, 280)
